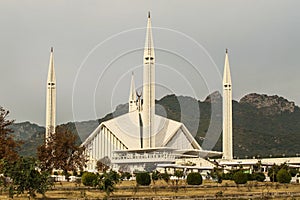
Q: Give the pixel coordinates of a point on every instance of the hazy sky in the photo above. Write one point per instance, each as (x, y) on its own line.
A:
(98, 44)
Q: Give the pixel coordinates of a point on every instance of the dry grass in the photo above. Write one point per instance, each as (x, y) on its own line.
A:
(128, 188)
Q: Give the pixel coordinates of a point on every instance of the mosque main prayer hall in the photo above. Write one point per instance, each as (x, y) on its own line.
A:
(141, 138)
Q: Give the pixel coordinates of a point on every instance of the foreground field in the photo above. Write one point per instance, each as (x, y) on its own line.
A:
(161, 190)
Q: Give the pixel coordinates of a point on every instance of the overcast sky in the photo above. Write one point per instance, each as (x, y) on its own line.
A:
(98, 44)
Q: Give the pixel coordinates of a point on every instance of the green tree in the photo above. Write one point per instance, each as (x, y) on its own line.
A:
(194, 178)
(258, 176)
(8, 146)
(61, 152)
(240, 177)
(165, 177)
(155, 176)
(143, 178)
(178, 174)
(26, 178)
(107, 181)
(272, 172)
(283, 176)
(125, 175)
(89, 179)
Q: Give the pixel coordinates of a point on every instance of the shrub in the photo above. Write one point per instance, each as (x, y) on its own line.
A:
(272, 172)
(194, 179)
(283, 176)
(125, 175)
(143, 178)
(240, 177)
(165, 177)
(89, 179)
(259, 176)
(293, 172)
(155, 176)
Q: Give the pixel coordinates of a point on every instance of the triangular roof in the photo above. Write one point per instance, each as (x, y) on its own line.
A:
(127, 129)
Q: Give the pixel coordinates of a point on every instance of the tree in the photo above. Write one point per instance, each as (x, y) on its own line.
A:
(272, 172)
(194, 178)
(259, 176)
(8, 146)
(61, 152)
(178, 174)
(283, 176)
(107, 181)
(26, 178)
(155, 176)
(165, 177)
(89, 179)
(240, 177)
(143, 178)
(103, 164)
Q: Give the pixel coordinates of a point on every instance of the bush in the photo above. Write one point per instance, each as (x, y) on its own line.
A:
(143, 178)
(125, 175)
(194, 179)
(155, 176)
(89, 179)
(165, 177)
(240, 177)
(293, 172)
(259, 176)
(283, 176)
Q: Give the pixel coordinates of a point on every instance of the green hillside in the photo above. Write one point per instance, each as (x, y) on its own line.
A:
(262, 125)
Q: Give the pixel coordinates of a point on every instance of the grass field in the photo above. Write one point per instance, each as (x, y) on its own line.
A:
(161, 190)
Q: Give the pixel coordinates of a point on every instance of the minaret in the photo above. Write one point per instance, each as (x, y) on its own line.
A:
(149, 88)
(227, 111)
(132, 96)
(51, 99)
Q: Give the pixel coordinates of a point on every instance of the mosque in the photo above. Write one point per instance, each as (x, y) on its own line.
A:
(141, 138)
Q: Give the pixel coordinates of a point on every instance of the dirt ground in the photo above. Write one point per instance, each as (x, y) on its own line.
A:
(162, 190)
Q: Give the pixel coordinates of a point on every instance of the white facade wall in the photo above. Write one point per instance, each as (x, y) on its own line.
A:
(101, 145)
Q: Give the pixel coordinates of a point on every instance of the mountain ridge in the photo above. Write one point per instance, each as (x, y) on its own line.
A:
(261, 124)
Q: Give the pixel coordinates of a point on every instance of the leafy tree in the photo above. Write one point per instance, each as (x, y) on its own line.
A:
(155, 176)
(8, 146)
(165, 177)
(178, 174)
(283, 176)
(106, 182)
(258, 176)
(61, 152)
(26, 178)
(89, 179)
(125, 175)
(103, 164)
(272, 172)
(194, 178)
(143, 178)
(293, 172)
(216, 175)
(240, 177)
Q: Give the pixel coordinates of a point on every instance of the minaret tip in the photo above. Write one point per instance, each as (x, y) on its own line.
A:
(51, 49)
(148, 14)
(226, 50)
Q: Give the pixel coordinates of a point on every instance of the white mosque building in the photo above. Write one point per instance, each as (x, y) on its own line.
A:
(140, 136)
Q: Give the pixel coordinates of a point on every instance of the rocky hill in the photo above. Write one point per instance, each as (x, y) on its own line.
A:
(268, 105)
(262, 125)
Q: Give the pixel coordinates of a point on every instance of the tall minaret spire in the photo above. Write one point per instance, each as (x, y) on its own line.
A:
(149, 87)
(132, 96)
(227, 111)
(51, 99)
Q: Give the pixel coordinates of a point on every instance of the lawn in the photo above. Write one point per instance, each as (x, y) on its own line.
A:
(161, 189)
